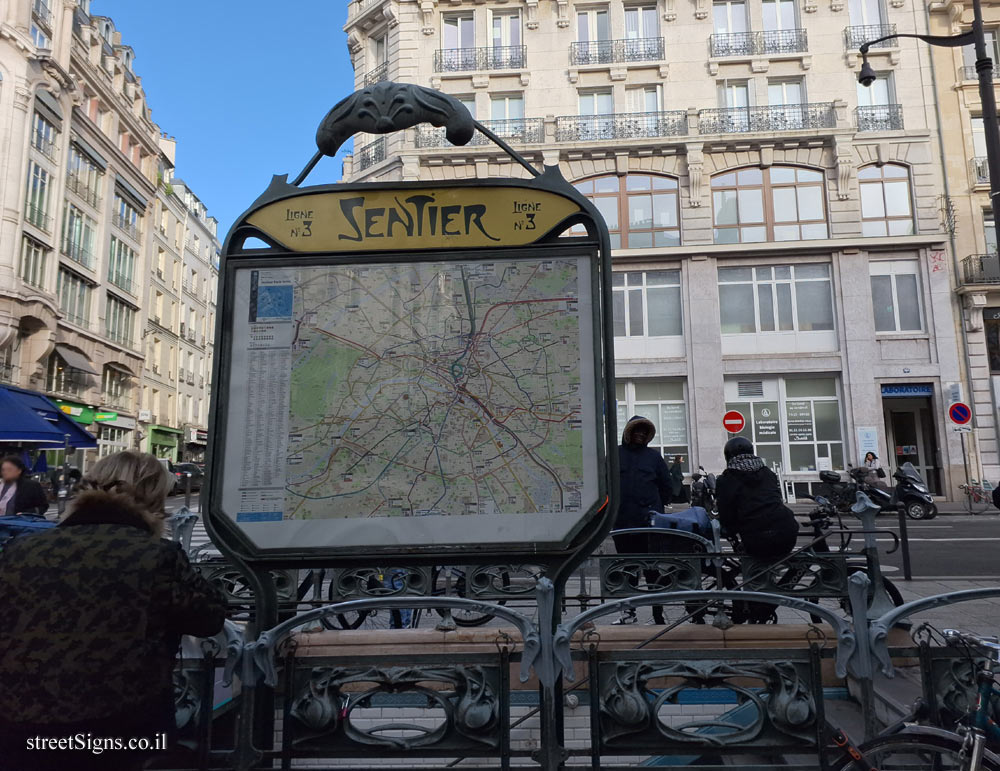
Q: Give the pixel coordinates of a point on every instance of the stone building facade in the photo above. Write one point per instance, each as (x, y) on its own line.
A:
(781, 236)
(82, 175)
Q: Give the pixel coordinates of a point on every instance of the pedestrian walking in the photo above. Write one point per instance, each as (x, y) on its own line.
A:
(91, 616)
(677, 481)
(19, 494)
(645, 488)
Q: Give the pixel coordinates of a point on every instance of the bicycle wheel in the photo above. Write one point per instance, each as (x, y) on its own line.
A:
(453, 579)
(976, 501)
(917, 750)
(362, 619)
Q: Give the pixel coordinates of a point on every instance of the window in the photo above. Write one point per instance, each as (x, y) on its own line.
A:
(380, 50)
(662, 401)
(119, 321)
(74, 296)
(592, 25)
(597, 103)
(886, 208)
(121, 265)
(896, 296)
(507, 107)
(992, 50)
(37, 200)
(643, 99)
(989, 232)
(79, 232)
(111, 439)
(83, 176)
(779, 15)
(647, 304)
(788, 95)
(780, 203)
(865, 12)
(729, 17)
(878, 94)
(64, 379)
(39, 37)
(505, 29)
(641, 22)
(116, 388)
(127, 216)
(459, 31)
(43, 137)
(782, 298)
(641, 209)
(33, 259)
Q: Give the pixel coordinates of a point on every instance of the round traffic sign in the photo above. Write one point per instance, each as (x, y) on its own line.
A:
(733, 422)
(960, 413)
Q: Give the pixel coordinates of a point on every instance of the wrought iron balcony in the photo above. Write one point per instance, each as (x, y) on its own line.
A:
(79, 186)
(616, 51)
(980, 170)
(41, 13)
(748, 120)
(370, 154)
(377, 75)
(855, 37)
(78, 253)
(122, 281)
(880, 117)
(125, 226)
(76, 319)
(627, 125)
(522, 131)
(45, 146)
(765, 43)
(37, 217)
(462, 59)
(981, 269)
(121, 402)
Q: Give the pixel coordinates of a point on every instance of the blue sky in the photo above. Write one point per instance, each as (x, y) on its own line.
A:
(241, 85)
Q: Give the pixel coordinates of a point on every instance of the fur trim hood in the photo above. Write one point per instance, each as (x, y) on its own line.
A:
(633, 423)
(97, 507)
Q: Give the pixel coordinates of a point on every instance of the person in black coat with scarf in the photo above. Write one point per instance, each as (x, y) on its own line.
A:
(20, 494)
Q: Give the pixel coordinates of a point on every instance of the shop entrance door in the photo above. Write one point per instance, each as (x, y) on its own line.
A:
(912, 438)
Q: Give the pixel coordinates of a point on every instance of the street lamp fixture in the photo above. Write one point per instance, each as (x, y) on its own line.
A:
(984, 68)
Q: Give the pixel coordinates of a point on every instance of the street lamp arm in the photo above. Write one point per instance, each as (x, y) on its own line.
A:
(949, 41)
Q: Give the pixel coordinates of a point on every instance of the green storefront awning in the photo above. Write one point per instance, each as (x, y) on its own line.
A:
(165, 436)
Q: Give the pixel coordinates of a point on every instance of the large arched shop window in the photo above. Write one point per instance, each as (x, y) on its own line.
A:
(641, 209)
(886, 200)
(779, 203)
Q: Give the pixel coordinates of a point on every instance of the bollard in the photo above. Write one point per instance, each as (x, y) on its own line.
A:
(187, 489)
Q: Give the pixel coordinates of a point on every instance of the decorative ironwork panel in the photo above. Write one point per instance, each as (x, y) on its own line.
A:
(807, 575)
(784, 41)
(502, 582)
(524, 131)
(981, 269)
(630, 575)
(237, 589)
(855, 37)
(734, 44)
(363, 583)
(616, 51)
(377, 75)
(949, 683)
(631, 125)
(344, 707)
(880, 117)
(980, 169)
(774, 701)
(372, 153)
(789, 117)
(496, 58)
(766, 43)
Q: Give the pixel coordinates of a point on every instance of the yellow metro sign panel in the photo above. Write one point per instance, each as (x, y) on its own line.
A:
(428, 218)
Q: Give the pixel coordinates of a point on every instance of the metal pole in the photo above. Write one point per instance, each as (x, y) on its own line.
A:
(64, 491)
(984, 68)
(187, 490)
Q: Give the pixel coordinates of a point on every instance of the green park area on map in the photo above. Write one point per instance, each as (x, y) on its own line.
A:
(436, 388)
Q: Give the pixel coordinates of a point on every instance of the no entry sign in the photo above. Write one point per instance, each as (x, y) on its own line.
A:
(733, 422)
(960, 415)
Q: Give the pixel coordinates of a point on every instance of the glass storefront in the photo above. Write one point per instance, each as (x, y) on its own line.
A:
(664, 403)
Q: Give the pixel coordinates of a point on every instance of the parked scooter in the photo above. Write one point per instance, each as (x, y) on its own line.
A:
(910, 494)
(703, 490)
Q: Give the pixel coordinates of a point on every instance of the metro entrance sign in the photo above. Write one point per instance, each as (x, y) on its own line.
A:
(733, 422)
(413, 370)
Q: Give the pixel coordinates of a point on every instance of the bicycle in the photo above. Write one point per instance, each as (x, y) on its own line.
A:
(978, 497)
(917, 747)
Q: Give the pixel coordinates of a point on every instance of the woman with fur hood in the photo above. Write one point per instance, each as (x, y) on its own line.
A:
(91, 616)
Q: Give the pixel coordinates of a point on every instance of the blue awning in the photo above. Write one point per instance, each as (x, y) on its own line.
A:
(31, 418)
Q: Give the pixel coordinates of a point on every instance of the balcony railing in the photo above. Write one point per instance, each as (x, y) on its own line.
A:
(523, 131)
(628, 125)
(80, 187)
(118, 401)
(78, 253)
(748, 120)
(122, 281)
(880, 117)
(41, 13)
(125, 226)
(980, 170)
(45, 146)
(377, 75)
(372, 153)
(37, 217)
(121, 338)
(616, 51)
(765, 43)
(981, 269)
(76, 319)
(462, 59)
(855, 37)
(7, 373)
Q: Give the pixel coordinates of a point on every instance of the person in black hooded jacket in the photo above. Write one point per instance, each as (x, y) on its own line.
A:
(645, 479)
(751, 505)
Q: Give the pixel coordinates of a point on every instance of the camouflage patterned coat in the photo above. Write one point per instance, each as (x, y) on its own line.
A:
(91, 614)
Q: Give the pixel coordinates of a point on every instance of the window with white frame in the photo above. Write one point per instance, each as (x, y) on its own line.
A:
(506, 106)
(120, 321)
(112, 439)
(643, 99)
(592, 25)
(505, 29)
(865, 12)
(458, 31)
(779, 15)
(641, 210)
(74, 296)
(729, 17)
(886, 205)
(121, 264)
(647, 303)
(779, 203)
(78, 235)
(779, 298)
(39, 37)
(116, 388)
(662, 402)
(896, 295)
(43, 137)
(37, 198)
(878, 94)
(34, 257)
(84, 176)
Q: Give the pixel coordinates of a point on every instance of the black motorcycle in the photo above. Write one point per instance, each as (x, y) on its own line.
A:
(910, 493)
